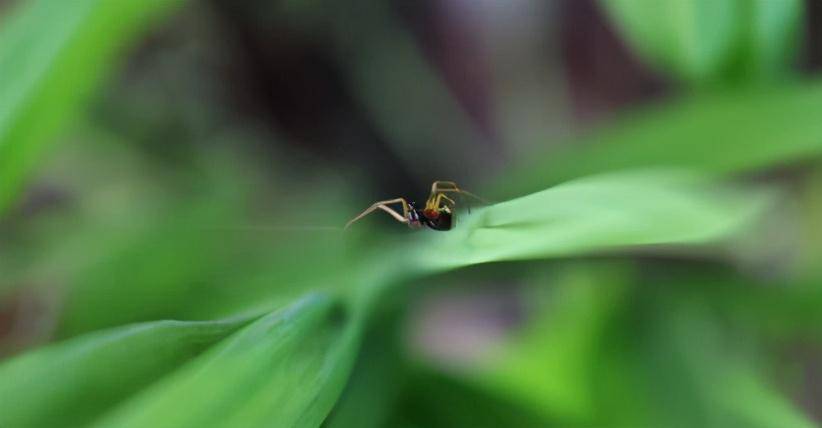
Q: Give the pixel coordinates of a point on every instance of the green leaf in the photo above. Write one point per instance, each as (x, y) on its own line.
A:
(597, 214)
(601, 214)
(73, 382)
(285, 369)
(727, 133)
(52, 54)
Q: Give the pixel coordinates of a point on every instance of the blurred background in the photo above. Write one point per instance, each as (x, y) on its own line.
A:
(201, 173)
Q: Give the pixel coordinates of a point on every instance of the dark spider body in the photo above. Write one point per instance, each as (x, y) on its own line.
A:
(437, 214)
(442, 220)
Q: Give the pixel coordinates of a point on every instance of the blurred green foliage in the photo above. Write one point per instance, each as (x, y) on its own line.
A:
(666, 300)
(52, 54)
(726, 134)
(705, 41)
(71, 384)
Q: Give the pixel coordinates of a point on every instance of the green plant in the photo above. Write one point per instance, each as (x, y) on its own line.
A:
(300, 332)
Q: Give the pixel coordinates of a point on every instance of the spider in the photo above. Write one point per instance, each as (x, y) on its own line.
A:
(438, 213)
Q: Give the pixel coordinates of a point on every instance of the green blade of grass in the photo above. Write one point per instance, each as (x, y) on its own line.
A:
(723, 134)
(71, 383)
(598, 214)
(52, 53)
(285, 369)
(607, 213)
(289, 367)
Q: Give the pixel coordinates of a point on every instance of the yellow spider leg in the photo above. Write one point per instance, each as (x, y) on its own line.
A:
(442, 196)
(437, 184)
(383, 205)
(450, 186)
(435, 201)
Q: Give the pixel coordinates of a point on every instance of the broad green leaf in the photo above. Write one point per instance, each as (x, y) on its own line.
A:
(729, 133)
(289, 367)
(597, 214)
(285, 369)
(52, 54)
(72, 383)
(604, 214)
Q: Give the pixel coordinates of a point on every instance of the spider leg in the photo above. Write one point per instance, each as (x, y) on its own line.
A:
(435, 186)
(383, 205)
(440, 197)
(450, 186)
(452, 207)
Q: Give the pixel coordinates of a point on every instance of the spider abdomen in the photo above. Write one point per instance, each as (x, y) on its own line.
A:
(442, 222)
